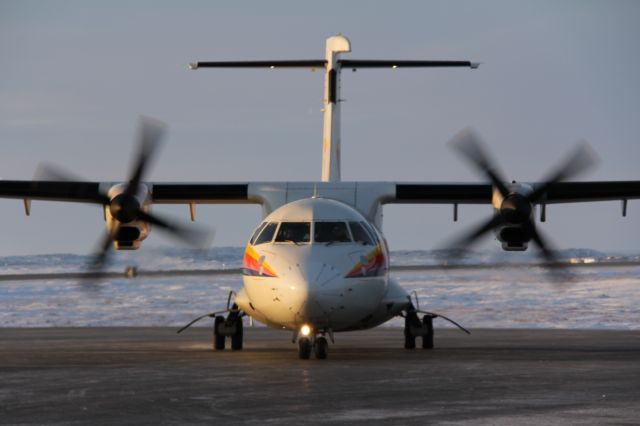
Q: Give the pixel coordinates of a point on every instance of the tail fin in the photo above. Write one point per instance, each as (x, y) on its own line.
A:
(334, 47)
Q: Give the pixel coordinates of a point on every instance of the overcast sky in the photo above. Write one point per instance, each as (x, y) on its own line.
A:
(75, 75)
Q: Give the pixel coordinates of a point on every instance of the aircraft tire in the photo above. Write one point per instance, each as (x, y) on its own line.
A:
(218, 339)
(304, 348)
(321, 348)
(427, 339)
(409, 339)
(236, 339)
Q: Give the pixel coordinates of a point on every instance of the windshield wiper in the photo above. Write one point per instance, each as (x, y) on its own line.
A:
(291, 241)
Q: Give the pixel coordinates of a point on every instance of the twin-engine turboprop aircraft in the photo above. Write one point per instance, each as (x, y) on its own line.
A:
(318, 263)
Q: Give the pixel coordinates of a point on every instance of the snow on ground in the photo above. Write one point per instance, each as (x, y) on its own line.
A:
(503, 297)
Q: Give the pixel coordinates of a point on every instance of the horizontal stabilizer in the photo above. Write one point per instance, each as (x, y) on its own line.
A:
(388, 63)
(321, 63)
(294, 63)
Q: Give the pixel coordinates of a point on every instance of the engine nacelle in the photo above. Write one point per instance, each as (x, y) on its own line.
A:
(129, 234)
(516, 211)
(513, 237)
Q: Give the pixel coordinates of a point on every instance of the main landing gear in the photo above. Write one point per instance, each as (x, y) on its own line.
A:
(230, 327)
(222, 328)
(414, 327)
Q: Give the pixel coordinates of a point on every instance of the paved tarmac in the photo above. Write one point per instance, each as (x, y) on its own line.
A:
(153, 376)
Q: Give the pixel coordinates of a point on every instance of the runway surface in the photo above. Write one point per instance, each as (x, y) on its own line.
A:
(153, 376)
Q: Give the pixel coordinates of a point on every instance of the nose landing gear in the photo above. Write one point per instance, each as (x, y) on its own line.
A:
(321, 348)
(304, 347)
(317, 344)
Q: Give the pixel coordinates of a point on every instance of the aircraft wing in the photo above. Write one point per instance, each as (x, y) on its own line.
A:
(201, 193)
(569, 192)
(93, 192)
(453, 193)
(560, 192)
(239, 193)
(81, 192)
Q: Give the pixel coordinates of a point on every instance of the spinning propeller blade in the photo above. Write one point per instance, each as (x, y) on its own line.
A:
(581, 159)
(470, 145)
(195, 237)
(125, 207)
(149, 137)
(516, 209)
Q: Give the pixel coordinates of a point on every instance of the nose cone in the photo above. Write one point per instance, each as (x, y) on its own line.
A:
(318, 275)
(316, 286)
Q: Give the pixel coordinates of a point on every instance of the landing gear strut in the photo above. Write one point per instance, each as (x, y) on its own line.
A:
(230, 327)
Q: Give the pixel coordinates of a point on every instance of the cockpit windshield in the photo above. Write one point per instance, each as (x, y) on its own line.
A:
(331, 232)
(294, 232)
(360, 234)
(267, 233)
(257, 232)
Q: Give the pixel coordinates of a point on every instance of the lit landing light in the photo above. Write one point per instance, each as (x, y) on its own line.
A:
(394, 67)
(305, 330)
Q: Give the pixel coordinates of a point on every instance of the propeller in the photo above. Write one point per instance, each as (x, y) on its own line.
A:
(516, 207)
(125, 207)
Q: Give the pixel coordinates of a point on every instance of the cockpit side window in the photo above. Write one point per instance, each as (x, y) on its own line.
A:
(267, 233)
(257, 232)
(372, 231)
(331, 232)
(294, 232)
(360, 235)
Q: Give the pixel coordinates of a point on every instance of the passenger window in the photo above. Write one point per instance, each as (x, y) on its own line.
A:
(360, 235)
(255, 234)
(267, 233)
(294, 232)
(331, 232)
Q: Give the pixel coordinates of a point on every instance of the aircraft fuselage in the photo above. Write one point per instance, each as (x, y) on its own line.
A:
(319, 262)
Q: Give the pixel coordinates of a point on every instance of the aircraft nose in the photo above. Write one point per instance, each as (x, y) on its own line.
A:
(318, 275)
(314, 288)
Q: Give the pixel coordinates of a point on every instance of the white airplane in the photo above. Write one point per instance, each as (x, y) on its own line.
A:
(318, 263)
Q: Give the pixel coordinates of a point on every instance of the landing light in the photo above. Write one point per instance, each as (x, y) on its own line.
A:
(305, 330)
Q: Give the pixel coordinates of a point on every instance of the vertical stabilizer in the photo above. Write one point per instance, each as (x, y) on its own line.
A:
(331, 134)
(333, 66)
